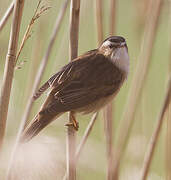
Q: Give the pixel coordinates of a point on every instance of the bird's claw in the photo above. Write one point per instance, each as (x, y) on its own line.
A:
(73, 124)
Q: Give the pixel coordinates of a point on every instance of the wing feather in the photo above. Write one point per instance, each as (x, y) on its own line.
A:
(41, 90)
(82, 82)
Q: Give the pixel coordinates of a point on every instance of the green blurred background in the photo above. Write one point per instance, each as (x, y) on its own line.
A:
(130, 17)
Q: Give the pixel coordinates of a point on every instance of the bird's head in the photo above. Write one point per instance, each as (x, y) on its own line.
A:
(115, 49)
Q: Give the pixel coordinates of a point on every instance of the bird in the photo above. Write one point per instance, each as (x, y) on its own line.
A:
(84, 85)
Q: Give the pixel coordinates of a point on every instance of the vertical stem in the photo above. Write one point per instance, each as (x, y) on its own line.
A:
(71, 135)
(74, 28)
(108, 121)
(112, 24)
(168, 114)
(6, 16)
(71, 149)
(9, 67)
(150, 151)
(84, 139)
(99, 21)
(138, 81)
(168, 144)
(108, 110)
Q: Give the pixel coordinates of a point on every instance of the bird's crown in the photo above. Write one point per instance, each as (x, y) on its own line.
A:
(114, 41)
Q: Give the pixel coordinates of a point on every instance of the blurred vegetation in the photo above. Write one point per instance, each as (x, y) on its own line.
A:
(130, 24)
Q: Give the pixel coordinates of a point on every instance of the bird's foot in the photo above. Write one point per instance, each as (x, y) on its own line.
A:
(73, 122)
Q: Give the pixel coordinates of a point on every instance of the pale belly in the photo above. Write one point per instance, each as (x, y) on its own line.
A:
(97, 105)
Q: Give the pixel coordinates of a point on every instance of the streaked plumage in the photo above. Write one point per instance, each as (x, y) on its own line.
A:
(84, 85)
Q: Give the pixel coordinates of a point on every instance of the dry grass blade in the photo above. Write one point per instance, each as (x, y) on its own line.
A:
(38, 12)
(150, 151)
(6, 16)
(44, 62)
(9, 66)
(84, 139)
(138, 80)
(71, 134)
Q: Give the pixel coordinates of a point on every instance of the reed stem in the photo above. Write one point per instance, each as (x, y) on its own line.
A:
(99, 21)
(6, 15)
(9, 67)
(109, 109)
(112, 24)
(152, 144)
(168, 112)
(84, 139)
(71, 134)
(138, 81)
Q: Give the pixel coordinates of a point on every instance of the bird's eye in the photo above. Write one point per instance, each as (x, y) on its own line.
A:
(111, 46)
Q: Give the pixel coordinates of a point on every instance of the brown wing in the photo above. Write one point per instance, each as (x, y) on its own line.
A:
(82, 82)
(60, 76)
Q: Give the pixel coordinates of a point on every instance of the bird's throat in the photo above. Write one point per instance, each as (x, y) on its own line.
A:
(120, 58)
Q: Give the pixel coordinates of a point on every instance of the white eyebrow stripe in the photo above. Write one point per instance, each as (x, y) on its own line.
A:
(107, 43)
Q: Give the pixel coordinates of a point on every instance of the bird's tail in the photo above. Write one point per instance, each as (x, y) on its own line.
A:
(39, 122)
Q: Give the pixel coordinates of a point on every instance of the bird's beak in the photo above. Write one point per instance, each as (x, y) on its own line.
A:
(123, 44)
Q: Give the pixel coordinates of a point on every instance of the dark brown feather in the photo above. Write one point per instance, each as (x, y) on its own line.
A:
(41, 90)
(36, 126)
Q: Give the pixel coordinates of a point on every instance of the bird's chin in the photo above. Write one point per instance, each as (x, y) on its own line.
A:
(120, 58)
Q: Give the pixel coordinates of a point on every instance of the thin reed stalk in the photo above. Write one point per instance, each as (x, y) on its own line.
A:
(108, 110)
(37, 81)
(112, 24)
(84, 139)
(38, 12)
(168, 112)
(99, 21)
(138, 81)
(108, 122)
(6, 15)
(44, 62)
(168, 143)
(73, 48)
(152, 144)
(9, 67)
(108, 116)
